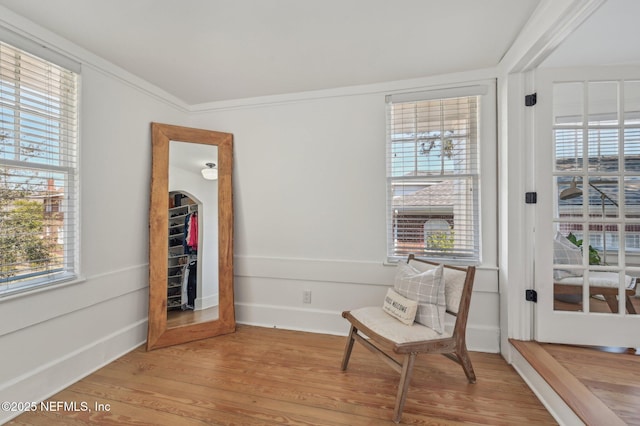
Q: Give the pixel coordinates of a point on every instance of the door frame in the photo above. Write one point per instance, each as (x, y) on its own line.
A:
(548, 28)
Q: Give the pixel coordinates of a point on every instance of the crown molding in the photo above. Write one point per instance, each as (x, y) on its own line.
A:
(46, 39)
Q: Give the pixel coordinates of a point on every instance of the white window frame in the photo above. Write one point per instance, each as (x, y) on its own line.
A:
(20, 47)
(486, 176)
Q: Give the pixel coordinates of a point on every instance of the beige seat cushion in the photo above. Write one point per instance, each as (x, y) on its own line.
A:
(599, 279)
(390, 328)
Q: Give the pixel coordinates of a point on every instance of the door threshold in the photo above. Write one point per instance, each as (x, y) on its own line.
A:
(586, 406)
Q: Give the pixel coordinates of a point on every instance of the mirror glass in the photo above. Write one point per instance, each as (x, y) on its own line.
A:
(192, 284)
(190, 235)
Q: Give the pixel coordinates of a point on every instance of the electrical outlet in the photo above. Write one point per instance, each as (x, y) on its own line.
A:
(306, 296)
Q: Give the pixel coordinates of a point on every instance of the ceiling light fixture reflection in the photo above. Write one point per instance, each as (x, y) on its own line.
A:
(210, 172)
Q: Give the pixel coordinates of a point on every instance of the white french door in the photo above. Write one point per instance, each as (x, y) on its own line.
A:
(587, 220)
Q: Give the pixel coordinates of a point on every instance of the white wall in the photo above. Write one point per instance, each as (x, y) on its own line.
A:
(53, 337)
(310, 208)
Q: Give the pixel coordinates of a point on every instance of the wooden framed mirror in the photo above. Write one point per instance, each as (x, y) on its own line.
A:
(190, 236)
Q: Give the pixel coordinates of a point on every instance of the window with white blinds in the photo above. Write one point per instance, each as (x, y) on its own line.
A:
(38, 171)
(433, 175)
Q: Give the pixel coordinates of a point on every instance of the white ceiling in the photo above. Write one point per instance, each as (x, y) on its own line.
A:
(211, 50)
(608, 37)
(192, 157)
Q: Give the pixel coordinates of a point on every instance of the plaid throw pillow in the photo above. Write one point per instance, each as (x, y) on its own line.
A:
(426, 288)
(565, 253)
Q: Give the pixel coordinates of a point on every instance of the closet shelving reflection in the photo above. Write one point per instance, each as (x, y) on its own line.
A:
(179, 256)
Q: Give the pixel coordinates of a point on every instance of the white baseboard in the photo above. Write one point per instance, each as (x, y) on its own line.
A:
(480, 339)
(60, 373)
(206, 302)
(483, 338)
(311, 320)
(560, 411)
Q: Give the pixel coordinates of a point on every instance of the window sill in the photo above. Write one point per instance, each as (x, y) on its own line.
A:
(25, 291)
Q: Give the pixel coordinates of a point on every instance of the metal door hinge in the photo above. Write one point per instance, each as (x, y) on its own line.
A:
(531, 197)
(531, 296)
(530, 100)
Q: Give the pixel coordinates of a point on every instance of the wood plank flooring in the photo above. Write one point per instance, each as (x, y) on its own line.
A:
(263, 376)
(178, 318)
(600, 384)
(612, 375)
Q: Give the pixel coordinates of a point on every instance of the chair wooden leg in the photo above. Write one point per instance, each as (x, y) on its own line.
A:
(630, 308)
(465, 362)
(405, 379)
(612, 301)
(348, 347)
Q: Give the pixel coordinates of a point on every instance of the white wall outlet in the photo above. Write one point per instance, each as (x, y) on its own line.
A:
(306, 296)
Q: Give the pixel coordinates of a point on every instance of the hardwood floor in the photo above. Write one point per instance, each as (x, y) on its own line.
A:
(178, 318)
(600, 384)
(263, 376)
(611, 374)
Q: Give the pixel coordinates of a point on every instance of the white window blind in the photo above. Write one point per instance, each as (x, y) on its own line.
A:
(38, 171)
(433, 175)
